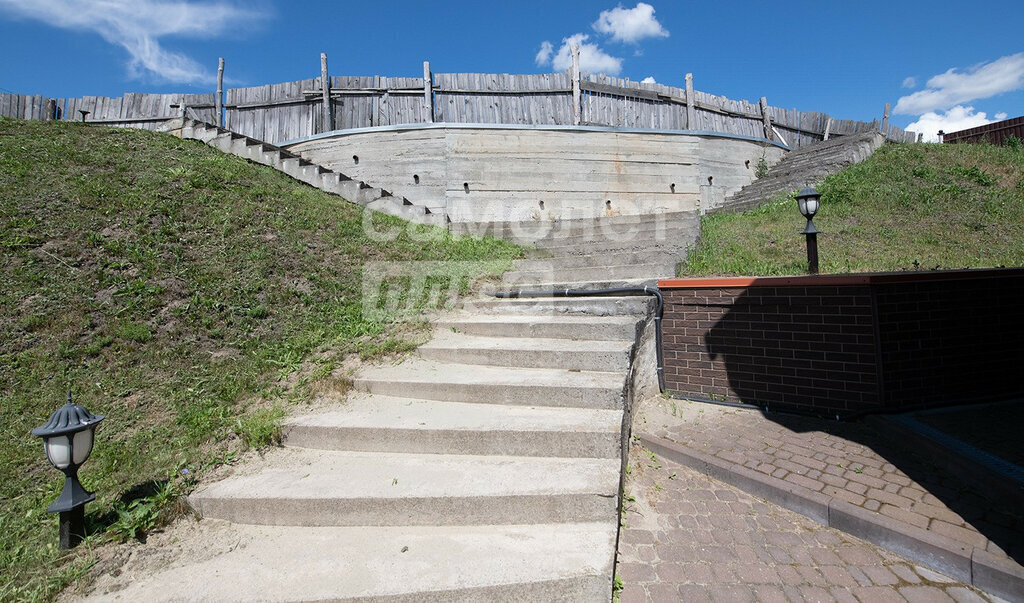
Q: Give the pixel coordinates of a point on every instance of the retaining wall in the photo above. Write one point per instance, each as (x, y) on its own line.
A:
(488, 173)
(840, 345)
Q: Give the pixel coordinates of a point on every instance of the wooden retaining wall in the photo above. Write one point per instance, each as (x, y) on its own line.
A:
(293, 110)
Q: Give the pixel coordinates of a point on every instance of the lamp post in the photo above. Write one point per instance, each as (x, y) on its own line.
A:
(808, 200)
(68, 438)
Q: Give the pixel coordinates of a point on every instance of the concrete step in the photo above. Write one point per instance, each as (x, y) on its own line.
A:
(584, 355)
(591, 260)
(543, 562)
(298, 486)
(676, 247)
(303, 171)
(431, 380)
(632, 305)
(529, 232)
(593, 285)
(634, 237)
(369, 422)
(597, 273)
(609, 328)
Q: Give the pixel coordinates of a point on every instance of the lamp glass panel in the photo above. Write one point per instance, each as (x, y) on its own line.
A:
(82, 445)
(58, 450)
(801, 204)
(812, 206)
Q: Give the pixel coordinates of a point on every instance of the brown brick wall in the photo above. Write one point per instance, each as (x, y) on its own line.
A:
(861, 344)
(947, 343)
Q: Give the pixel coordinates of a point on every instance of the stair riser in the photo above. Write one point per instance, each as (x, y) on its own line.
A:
(433, 511)
(586, 274)
(583, 361)
(486, 393)
(601, 332)
(549, 230)
(574, 444)
(611, 258)
(548, 306)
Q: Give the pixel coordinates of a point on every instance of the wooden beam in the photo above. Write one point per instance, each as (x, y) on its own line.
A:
(577, 90)
(828, 126)
(219, 101)
(885, 119)
(428, 93)
(691, 109)
(620, 91)
(325, 87)
(766, 119)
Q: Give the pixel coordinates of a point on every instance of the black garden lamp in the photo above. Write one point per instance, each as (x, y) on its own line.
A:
(68, 438)
(808, 200)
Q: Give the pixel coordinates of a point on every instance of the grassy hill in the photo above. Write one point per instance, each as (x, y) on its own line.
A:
(189, 296)
(908, 207)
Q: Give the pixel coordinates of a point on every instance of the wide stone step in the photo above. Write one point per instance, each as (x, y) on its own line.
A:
(584, 355)
(542, 562)
(609, 328)
(598, 260)
(369, 422)
(529, 232)
(633, 305)
(596, 273)
(430, 380)
(298, 486)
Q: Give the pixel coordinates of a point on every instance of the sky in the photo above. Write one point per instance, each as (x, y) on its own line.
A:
(942, 65)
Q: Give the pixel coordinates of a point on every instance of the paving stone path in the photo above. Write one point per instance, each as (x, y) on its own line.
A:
(848, 461)
(688, 537)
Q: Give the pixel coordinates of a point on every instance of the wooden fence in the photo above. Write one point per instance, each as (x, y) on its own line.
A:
(291, 110)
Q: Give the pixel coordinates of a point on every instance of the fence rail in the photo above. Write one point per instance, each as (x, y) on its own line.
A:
(291, 110)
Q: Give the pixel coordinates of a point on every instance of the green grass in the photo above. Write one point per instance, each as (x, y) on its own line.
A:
(189, 296)
(908, 207)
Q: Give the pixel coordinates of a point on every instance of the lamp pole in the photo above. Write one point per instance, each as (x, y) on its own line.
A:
(808, 200)
(68, 437)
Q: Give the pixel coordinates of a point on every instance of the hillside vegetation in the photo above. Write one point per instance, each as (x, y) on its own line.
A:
(908, 207)
(189, 296)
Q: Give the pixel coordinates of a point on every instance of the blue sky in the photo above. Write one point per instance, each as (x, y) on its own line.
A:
(941, 64)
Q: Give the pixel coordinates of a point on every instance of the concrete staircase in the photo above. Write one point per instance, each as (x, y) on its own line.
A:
(485, 467)
(315, 175)
(809, 165)
(614, 251)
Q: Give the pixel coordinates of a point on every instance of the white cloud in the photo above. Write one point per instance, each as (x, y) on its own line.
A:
(910, 82)
(544, 54)
(137, 26)
(648, 80)
(957, 118)
(1001, 115)
(630, 24)
(592, 58)
(954, 87)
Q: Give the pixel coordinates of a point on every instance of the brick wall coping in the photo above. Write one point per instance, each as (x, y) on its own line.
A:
(867, 278)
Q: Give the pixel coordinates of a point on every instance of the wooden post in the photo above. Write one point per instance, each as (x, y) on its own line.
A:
(577, 117)
(885, 120)
(920, 137)
(766, 119)
(325, 84)
(220, 93)
(50, 112)
(828, 127)
(691, 111)
(428, 93)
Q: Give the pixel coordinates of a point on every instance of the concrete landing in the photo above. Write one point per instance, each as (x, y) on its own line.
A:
(539, 562)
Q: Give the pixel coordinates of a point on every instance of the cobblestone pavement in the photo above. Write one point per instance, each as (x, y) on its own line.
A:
(687, 537)
(844, 460)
